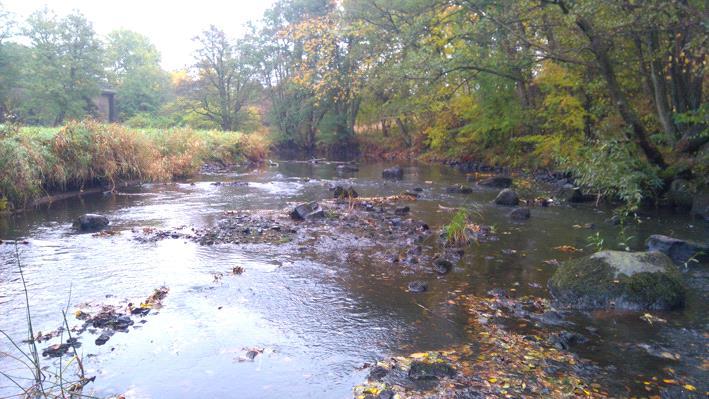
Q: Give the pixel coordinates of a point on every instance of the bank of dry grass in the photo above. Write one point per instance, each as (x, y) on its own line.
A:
(37, 161)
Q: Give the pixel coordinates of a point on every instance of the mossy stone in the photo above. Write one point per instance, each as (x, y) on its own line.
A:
(622, 280)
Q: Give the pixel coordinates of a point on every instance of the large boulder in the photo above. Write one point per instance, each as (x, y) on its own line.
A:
(496, 181)
(307, 211)
(393, 173)
(700, 204)
(622, 280)
(680, 251)
(91, 222)
(507, 197)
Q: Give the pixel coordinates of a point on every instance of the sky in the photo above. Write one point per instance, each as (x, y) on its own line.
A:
(170, 25)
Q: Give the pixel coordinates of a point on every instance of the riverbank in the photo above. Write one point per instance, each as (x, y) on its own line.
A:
(37, 163)
(626, 183)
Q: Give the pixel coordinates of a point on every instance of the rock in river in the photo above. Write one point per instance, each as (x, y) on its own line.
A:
(393, 173)
(622, 280)
(307, 211)
(347, 168)
(459, 189)
(345, 193)
(430, 370)
(91, 222)
(520, 214)
(507, 197)
(442, 266)
(680, 251)
(700, 204)
(418, 286)
(570, 193)
(496, 181)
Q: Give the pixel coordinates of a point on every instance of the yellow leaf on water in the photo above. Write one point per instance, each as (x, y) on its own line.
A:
(689, 387)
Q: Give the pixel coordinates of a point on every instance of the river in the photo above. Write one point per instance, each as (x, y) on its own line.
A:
(316, 320)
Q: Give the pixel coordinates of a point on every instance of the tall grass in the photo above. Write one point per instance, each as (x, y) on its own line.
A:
(36, 161)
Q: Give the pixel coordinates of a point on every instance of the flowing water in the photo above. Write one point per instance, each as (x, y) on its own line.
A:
(318, 320)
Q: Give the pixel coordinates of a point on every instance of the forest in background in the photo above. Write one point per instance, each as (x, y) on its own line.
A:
(610, 91)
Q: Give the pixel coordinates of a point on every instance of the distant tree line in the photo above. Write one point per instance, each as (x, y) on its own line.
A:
(53, 67)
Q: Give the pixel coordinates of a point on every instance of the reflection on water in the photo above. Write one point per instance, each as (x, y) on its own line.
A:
(317, 320)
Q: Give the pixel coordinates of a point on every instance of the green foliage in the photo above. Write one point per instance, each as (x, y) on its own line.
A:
(64, 68)
(133, 70)
(595, 241)
(456, 229)
(615, 170)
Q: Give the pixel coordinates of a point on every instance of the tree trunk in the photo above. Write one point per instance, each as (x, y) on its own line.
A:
(664, 112)
(640, 134)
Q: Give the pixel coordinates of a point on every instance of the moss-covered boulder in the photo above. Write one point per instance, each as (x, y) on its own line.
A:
(621, 280)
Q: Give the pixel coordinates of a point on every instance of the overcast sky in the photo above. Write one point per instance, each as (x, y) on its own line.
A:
(170, 25)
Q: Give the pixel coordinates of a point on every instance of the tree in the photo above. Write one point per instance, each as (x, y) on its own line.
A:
(224, 79)
(8, 63)
(65, 67)
(295, 110)
(133, 69)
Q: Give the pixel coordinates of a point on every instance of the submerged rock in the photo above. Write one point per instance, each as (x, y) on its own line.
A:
(570, 193)
(377, 373)
(442, 266)
(497, 182)
(680, 194)
(347, 168)
(307, 211)
(520, 214)
(91, 222)
(459, 189)
(420, 370)
(418, 286)
(622, 280)
(700, 204)
(680, 251)
(393, 173)
(56, 350)
(564, 340)
(507, 197)
(401, 210)
(104, 337)
(345, 193)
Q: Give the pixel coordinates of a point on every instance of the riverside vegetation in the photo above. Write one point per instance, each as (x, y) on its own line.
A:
(39, 161)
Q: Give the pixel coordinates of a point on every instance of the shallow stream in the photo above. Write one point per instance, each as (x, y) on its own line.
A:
(318, 321)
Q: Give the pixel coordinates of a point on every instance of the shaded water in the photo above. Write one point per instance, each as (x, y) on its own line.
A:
(318, 320)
